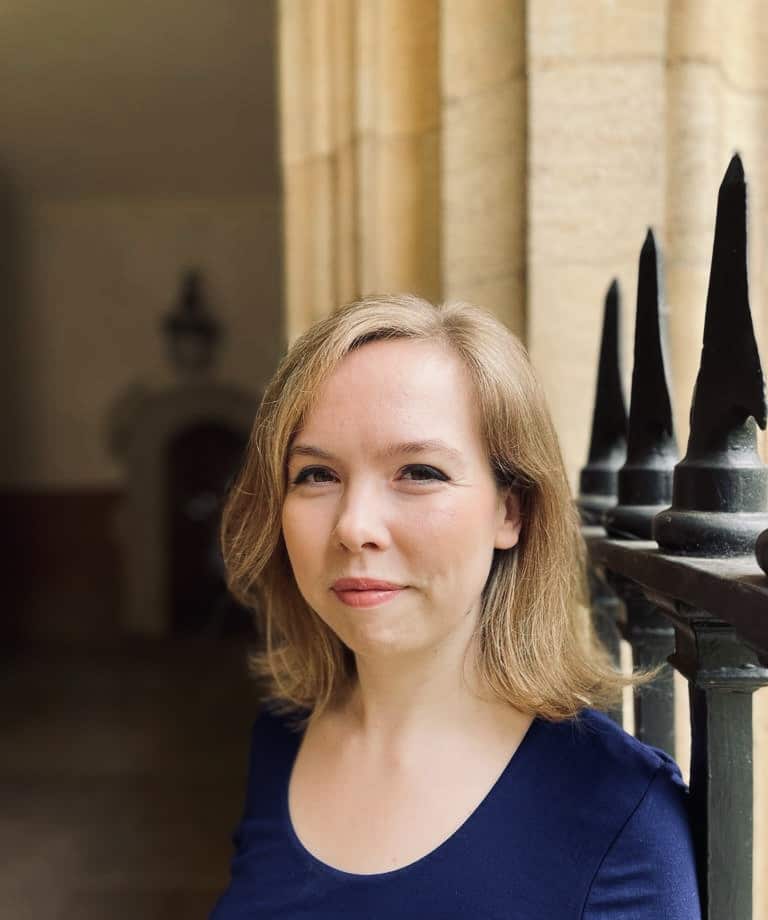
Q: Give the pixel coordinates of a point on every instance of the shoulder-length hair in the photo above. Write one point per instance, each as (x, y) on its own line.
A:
(536, 646)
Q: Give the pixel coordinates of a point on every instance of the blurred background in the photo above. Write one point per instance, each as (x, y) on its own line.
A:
(184, 188)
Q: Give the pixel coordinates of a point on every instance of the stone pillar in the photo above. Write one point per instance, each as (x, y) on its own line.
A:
(484, 135)
(318, 152)
(398, 121)
(359, 119)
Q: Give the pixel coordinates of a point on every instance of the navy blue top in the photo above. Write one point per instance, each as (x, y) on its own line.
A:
(584, 823)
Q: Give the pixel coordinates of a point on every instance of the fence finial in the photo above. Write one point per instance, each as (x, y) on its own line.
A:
(645, 480)
(608, 443)
(720, 488)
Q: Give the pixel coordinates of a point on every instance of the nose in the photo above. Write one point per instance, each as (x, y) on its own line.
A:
(360, 522)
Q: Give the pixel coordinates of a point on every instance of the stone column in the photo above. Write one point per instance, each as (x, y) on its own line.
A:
(359, 118)
(484, 135)
(398, 124)
(318, 152)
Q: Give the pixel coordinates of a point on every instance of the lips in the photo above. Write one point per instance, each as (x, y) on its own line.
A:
(365, 584)
(366, 592)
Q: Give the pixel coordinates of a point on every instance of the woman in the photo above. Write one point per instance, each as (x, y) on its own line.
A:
(430, 743)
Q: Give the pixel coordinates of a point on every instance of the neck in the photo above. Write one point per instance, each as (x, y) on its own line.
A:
(399, 703)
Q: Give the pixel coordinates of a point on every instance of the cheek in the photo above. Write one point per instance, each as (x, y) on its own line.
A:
(304, 553)
(297, 528)
(446, 537)
(459, 561)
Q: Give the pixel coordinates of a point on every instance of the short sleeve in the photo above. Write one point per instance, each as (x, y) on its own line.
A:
(649, 871)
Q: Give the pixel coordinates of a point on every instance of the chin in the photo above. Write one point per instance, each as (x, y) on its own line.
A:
(364, 641)
(385, 643)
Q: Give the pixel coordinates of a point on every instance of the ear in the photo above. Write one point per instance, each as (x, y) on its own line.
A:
(510, 520)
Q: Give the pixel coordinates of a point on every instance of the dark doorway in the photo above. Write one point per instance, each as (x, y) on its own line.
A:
(202, 461)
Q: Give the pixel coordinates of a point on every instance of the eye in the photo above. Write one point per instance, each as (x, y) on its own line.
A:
(303, 475)
(319, 475)
(428, 473)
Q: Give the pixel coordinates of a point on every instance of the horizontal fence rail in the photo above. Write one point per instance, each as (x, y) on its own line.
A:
(678, 549)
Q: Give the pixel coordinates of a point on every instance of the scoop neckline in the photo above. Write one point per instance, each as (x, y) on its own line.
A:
(410, 867)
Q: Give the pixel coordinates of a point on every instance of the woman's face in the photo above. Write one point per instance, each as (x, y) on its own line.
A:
(367, 497)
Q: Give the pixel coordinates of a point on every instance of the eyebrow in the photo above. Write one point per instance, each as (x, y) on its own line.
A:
(389, 451)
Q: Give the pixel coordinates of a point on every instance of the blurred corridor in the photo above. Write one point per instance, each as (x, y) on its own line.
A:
(122, 777)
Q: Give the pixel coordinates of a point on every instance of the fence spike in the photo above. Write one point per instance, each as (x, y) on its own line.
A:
(720, 488)
(608, 442)
(645, 480)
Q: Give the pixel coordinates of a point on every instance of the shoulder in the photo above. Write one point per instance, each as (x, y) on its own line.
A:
(649, 777)
(635, 803)
(274, 740)
(274, 732)
(593, 775)
(597, 731)
(648, 869)
(600, 750)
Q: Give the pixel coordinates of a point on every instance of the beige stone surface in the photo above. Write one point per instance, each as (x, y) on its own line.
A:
(596, 162)
(398, 167)
(397, 64)
(318, 155)
(347, 264)
(504, 296)
(488, 241)
(561, 32)
(742, 28)
(316, 68)
(695, 28)
(400, 219)
(359, 116)
(686, 287)
(482, 46)
(483, 127)
(309, 213)
(730, 38)
(484, 132)
(596, 170)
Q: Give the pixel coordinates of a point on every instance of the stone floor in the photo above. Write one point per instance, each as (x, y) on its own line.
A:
(122, 775)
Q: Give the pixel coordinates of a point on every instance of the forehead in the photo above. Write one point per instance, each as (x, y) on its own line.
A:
(397, 388)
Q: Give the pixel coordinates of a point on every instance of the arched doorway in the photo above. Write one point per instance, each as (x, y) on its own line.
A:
(202, 459)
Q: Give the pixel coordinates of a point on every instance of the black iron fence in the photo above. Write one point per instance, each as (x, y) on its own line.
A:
(679, 548)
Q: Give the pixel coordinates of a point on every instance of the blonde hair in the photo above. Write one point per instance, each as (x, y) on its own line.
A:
(536, 646)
